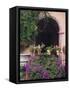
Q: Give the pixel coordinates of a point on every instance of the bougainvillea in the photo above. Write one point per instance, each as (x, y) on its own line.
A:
(44, 67)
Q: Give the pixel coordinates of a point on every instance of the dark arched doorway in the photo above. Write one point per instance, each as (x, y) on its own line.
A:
(48, 29)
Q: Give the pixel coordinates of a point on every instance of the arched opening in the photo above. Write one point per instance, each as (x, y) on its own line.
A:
(48, 29)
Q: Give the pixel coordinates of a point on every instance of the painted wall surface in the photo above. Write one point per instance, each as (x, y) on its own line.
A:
(60, 18)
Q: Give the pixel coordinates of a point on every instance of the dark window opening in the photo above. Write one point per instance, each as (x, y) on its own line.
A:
(48, 29)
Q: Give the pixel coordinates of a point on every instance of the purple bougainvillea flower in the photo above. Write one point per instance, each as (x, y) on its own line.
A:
(27, 67)
(45, 74)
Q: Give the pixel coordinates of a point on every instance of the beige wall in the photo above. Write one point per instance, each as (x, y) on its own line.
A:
(60, 18)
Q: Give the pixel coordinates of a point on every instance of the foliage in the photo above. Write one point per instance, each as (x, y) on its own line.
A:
(45, 66)
(28, 25)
